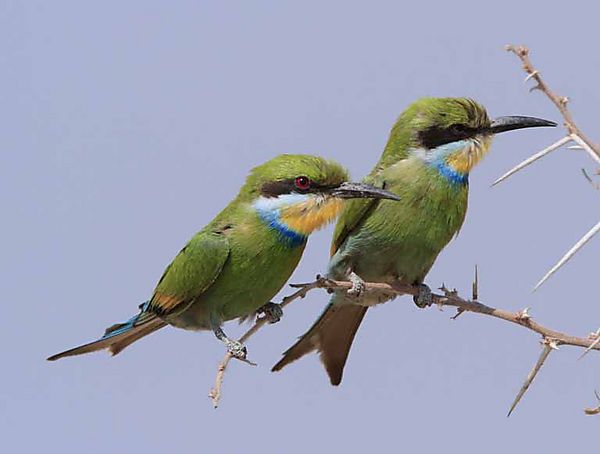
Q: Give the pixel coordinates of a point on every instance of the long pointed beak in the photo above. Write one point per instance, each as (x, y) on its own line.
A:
(510, 123)
(362, 191)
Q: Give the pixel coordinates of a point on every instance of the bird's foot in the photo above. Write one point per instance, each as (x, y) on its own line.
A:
(424, 298)
(238, 351)
(358, 285)
(235, 348)
(273, 312)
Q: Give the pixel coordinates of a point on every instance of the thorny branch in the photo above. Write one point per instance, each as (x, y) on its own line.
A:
(576, 135)
(559, 101)
(215, 392)
(448, 298)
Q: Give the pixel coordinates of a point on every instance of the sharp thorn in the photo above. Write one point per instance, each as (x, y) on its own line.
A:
(547, 348)
(593, 346)
(459, 312)
(475, 294)
(524, 315)
(533, 158)
(533, 74)
(587, 177)
(593, 154)
(570, 253)
(244, 360)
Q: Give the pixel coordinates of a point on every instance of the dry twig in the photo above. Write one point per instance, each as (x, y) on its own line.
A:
(559, 101)
(215, 392)
(449, 298)
(593, 411)
(574, 134)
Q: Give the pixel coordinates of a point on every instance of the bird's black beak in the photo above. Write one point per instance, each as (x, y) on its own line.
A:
(362, 191)
(511, 123)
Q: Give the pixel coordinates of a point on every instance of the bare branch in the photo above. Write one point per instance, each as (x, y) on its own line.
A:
(449, 298)
(215, 392)
(452, 299)
(559, 101)
(574, 133)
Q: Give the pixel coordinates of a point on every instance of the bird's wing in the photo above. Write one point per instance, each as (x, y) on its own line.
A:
(193, 271)
(353, 214)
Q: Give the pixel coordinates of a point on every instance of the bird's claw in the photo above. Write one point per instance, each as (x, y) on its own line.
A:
(273, 312)
(238, 351)
(358, 285)
(424, 298)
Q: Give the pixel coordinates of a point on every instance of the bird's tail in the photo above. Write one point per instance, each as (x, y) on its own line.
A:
(119, 336)
(331, 335)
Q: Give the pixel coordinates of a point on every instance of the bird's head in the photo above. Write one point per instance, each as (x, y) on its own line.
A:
(298, 194)
(450, 134)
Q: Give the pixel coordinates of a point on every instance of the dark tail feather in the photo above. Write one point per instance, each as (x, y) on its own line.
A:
(332, 336)
(118, 336)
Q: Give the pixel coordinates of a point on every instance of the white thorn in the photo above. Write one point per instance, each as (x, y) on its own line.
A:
(575, 147)
(533, 158)
(594, 344)
(524, 315)
(547, 348)
(586, 147)
(533, 74)
(571, 252)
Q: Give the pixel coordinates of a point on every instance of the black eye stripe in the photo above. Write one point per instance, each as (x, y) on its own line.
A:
(435, 136)
(277, 188)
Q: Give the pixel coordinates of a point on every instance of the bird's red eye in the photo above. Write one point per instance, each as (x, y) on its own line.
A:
(302, 183)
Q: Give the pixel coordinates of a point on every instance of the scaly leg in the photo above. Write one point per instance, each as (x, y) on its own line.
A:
(235, 348)
(424, 298)
(272, 311)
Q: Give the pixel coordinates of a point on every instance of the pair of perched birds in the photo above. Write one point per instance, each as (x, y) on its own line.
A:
(398, 220)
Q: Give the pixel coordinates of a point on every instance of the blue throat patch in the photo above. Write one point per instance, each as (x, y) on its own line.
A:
(437, 158)
(272, 218)
(450, 174)
(289, 236)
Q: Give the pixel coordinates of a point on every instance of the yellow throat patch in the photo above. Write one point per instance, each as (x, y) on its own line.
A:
(469, 156)
(312, 214)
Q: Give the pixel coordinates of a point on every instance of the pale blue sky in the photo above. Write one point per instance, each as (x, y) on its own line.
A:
(126, 126)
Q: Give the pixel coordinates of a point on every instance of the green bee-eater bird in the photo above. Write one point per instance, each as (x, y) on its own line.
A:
(242, 258)
(431, 150)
